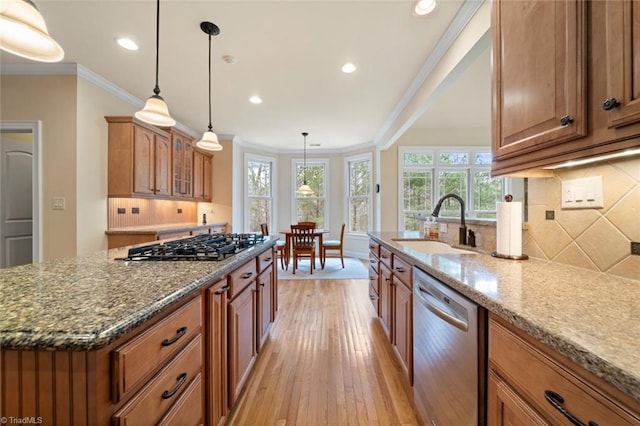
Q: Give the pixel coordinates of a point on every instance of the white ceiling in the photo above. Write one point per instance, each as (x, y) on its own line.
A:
(287, 52)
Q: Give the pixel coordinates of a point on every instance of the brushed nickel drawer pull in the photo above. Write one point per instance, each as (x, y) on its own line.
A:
(556, 400)
(399, 269)
(179, 333)
(247, 275)
(182, 378)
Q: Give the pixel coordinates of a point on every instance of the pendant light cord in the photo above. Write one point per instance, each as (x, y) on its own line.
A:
(210, 126)
(156, 89)
(304, 180)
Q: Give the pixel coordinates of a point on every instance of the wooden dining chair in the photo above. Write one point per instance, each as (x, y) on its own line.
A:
(281, 248)
(308, 224)
(303, 244)
(335, 245)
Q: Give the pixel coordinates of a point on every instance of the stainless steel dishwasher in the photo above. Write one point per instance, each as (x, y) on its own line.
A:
(448, 354)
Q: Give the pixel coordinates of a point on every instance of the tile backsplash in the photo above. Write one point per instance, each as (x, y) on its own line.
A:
(595, 239)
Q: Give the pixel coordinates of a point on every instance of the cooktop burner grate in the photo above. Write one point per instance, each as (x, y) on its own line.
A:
(200, 247)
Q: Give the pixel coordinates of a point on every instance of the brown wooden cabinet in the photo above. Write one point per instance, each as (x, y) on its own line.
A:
(402, 298)
(216, 354)
(265, 294)
(550, 388)
(385, 302)
(565, 81)
(374, 274)
(139, 159)
(182, 165)
(202, 164)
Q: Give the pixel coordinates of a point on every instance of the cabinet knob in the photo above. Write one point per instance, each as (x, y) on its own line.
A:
(564, 120)
(610, 103)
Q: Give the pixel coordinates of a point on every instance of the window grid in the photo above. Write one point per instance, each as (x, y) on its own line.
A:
(259, 193)
(314, 207)
(464, 171)
(359, 187)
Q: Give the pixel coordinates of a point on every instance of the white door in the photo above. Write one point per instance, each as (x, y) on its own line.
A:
(16, 199)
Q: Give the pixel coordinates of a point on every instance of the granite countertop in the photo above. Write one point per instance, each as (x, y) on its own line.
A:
(591, 318)
(86, 302)
(159, 229)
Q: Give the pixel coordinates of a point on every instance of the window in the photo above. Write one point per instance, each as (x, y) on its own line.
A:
(259, 199)
(359, 181)
(428, 174)
(311, 208)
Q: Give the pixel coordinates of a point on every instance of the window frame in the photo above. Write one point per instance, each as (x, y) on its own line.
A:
(368, 156)
(273, 162)
(295, 162)
(436, 167)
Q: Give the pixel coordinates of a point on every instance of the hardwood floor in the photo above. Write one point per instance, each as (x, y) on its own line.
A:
(327, 362)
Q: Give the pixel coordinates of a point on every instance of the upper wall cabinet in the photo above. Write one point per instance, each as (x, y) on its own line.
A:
(202, 176)
(566, 81)
(182, 165)
(139, 159)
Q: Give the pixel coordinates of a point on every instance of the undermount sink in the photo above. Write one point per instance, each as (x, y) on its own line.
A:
(432, 247)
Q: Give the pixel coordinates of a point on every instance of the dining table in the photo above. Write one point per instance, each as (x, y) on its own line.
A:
(317, 233)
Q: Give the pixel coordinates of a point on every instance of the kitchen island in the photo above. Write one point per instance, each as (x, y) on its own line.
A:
(78, 335)
(589, 318)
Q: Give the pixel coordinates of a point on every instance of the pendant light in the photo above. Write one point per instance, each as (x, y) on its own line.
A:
(155, 110)
(209, 139)
(23, 32)
(304, 188)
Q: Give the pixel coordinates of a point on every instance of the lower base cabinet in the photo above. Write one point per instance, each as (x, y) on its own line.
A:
(550, 389)
(187, 366)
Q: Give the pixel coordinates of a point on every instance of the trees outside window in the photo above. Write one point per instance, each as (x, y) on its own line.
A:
(259, 194)
(426, 174)
(311, 208)
(359, 183)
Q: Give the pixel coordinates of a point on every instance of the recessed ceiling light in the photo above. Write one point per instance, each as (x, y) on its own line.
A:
(255, 100)
(348, 68)
(127, 43)
(424, 7)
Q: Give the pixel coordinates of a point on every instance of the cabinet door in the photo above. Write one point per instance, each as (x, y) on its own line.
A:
(162, 166)
(374, 286)
(264, 304)
(242, 340)
(198, 175)
(505, 407)
(539, 75)
(216, 341)
(385, 304)
(187, 168)
(403, 325)
(206, 178)
(143, 161)
(622, 101)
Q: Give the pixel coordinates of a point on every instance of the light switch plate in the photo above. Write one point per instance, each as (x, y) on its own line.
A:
(583, 193)
(57, 203)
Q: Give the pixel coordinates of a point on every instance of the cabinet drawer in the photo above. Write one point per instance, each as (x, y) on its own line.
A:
(134, 360)
(508, 353)
(188, 409)
(241, 278)
(155, 399)
(264, 260)
(374, 249)
(402, 271)
(385, 256)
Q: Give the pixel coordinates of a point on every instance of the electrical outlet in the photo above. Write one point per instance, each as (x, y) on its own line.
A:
(442, 228)
(582, 193)
(122, 210)
(135, 210)
(635, 248)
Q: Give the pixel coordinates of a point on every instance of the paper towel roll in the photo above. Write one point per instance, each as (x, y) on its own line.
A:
(509, 229)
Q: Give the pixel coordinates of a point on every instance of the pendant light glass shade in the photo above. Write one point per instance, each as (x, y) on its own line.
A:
(23, 32)
(209, 139)
(155, 110)
(209, 142)
(304, 188)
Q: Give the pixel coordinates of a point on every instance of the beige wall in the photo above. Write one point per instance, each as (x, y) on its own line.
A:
(219, 210)
(596, 239)
(389, 196)
(94, 104)
(52, 100)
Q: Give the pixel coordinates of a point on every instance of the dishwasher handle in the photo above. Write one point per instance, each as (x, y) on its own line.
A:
(425, 295)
